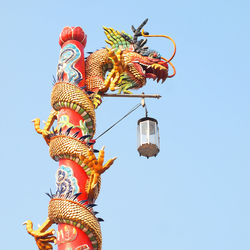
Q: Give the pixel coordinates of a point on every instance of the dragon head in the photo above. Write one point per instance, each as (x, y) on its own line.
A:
(132, 61)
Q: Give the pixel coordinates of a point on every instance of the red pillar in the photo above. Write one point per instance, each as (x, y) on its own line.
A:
(71, 71)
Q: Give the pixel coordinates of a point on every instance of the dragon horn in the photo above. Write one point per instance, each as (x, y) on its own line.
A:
(137, 32)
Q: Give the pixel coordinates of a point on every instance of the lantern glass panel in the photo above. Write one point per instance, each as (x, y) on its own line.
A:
(143, 133)
(153, 132)
(138, 136)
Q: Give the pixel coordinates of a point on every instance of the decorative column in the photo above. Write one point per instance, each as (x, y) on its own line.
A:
(76, 127)
(71, 144)
(77, 92)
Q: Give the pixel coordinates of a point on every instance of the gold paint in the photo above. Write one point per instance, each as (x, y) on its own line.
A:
(42, 237)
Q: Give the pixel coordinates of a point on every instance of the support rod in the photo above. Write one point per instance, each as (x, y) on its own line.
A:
(133, 95)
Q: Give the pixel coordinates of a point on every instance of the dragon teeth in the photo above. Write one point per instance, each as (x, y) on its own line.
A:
(164, 79)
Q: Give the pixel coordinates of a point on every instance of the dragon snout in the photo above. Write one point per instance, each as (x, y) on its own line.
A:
(163, 63)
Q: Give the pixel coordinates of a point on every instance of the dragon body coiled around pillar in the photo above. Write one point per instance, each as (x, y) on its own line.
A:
(79, 88)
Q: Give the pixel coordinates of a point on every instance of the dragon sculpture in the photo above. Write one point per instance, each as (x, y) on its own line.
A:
(128, 63)
(78, 91)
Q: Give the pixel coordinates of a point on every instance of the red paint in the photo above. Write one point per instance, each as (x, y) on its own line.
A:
(80, 64)
(163, 63)
(79, 174)
(76, 36)
(73, 34)
(72, 238)
(74, 118)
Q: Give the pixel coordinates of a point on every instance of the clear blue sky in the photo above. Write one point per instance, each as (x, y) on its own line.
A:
(195, 195)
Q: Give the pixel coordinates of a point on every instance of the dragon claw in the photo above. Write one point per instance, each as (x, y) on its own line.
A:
(97, 100)
(43, 237)
(124, 88)
(97, 167)
(46, 130)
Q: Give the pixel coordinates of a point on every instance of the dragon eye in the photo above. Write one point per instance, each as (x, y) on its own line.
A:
(153, 55)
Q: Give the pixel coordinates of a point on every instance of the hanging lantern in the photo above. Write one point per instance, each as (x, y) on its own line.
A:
(148, 140)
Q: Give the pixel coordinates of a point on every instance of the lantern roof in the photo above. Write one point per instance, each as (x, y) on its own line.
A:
(147, 119)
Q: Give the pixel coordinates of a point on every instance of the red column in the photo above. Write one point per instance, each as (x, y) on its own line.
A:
(71, 69)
